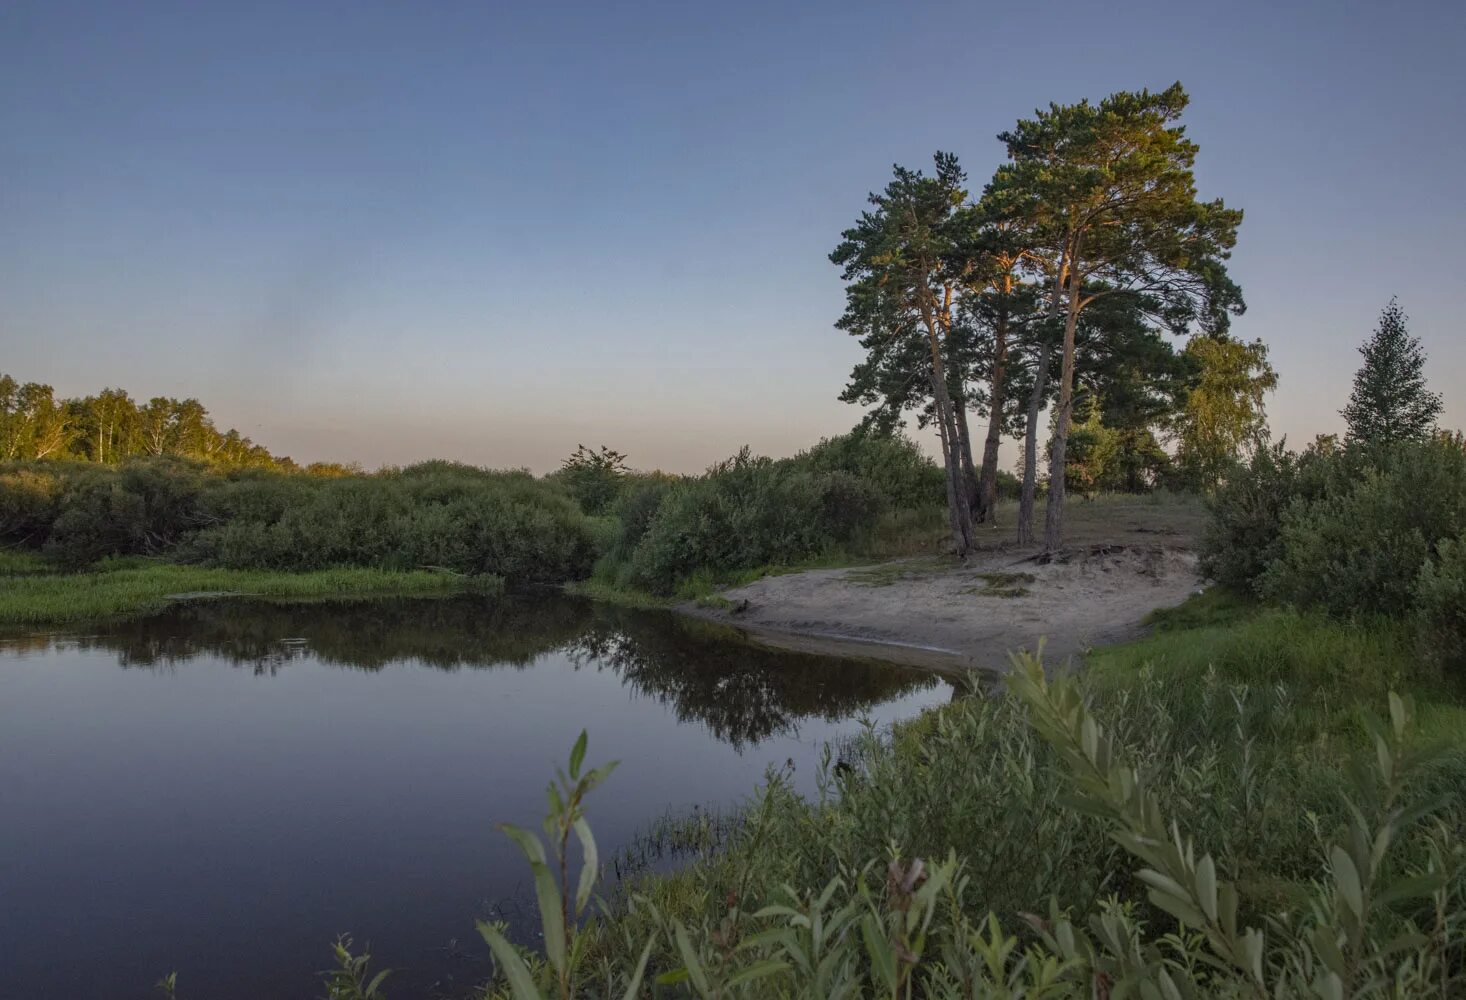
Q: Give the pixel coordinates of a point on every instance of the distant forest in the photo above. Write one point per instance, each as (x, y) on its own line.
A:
(110, 427)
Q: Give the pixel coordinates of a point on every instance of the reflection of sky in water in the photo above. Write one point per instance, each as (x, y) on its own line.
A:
(230, 801)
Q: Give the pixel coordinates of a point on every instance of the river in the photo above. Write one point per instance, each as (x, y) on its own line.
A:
(222, 789)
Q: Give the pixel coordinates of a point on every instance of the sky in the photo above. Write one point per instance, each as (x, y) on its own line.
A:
(488, 231)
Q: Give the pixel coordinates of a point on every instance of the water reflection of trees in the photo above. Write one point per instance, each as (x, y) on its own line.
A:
(448, 634)
(741, 692)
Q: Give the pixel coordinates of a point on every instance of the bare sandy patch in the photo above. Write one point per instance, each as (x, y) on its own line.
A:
(937, 613)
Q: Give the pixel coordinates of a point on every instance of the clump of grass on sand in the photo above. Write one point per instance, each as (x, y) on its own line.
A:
(1003, 585)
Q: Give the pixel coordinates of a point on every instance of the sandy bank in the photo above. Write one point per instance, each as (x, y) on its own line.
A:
(935, 613)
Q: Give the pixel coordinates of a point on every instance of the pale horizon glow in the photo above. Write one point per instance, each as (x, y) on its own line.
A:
(380, 234)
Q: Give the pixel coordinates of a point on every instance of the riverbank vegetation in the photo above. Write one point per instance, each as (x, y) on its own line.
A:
(1252, 802)
(33, 594)
(636, 536)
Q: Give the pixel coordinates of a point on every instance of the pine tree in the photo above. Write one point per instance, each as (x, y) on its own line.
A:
(1390, 401)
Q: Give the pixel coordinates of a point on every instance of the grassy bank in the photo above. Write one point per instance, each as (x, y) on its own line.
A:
(1247, 727)
(33, 594)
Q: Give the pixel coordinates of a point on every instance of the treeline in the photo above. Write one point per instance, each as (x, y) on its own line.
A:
(651, 531)
(111, 427)
(1055, 286)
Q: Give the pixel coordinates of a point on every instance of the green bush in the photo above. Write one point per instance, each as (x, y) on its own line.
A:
(633, 512)
(593, 478)
(145, 507)
(1241, 538)
(748, 512)
(28, 499)
(1359, 546)
(894, 465)
(1440, 598)
(1344, 529)
(438, 514)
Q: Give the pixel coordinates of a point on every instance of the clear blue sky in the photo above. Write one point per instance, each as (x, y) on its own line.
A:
(488, 231)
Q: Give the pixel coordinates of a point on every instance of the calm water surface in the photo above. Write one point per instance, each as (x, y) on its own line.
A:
(224, 788)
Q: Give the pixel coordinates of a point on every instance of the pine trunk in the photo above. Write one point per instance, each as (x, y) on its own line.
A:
(969, 471)
(1029, 489)
(1058, 446)
(987, 485)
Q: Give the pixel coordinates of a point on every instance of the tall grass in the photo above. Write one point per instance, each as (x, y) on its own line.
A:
(129, 587)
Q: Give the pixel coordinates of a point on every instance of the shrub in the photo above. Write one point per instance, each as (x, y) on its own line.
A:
(27, 504)
(749, 512)
(1241, 539)
(141, 508)
(440, 514)
(633, 512)
(892, 464)
(1161, 868)
(1344, 529)
(1440, 597)
(436, 514)
(593, 478)
(1360, 545)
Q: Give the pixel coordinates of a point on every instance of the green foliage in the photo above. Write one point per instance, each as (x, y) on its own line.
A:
(27, 504)
(892, 464)
(1358, 531)
(905, 262)
(1360, 545)
(351, 980)
(1243, 536)
(1110, 192)
(1390, 402)
(1440, 600)
(1223, 418)
(111, 427)
(1091, 461)
(656, 533)
(434, 515)
(1175, 863)
(145, 508)
(750, 511)
(34, 594)
(1348, 529)
(452, 517)
(561, 905)
(593, 477)
(633, 512)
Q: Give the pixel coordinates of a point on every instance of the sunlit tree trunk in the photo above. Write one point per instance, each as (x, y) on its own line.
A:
(1054, 519)
(1029, 489)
